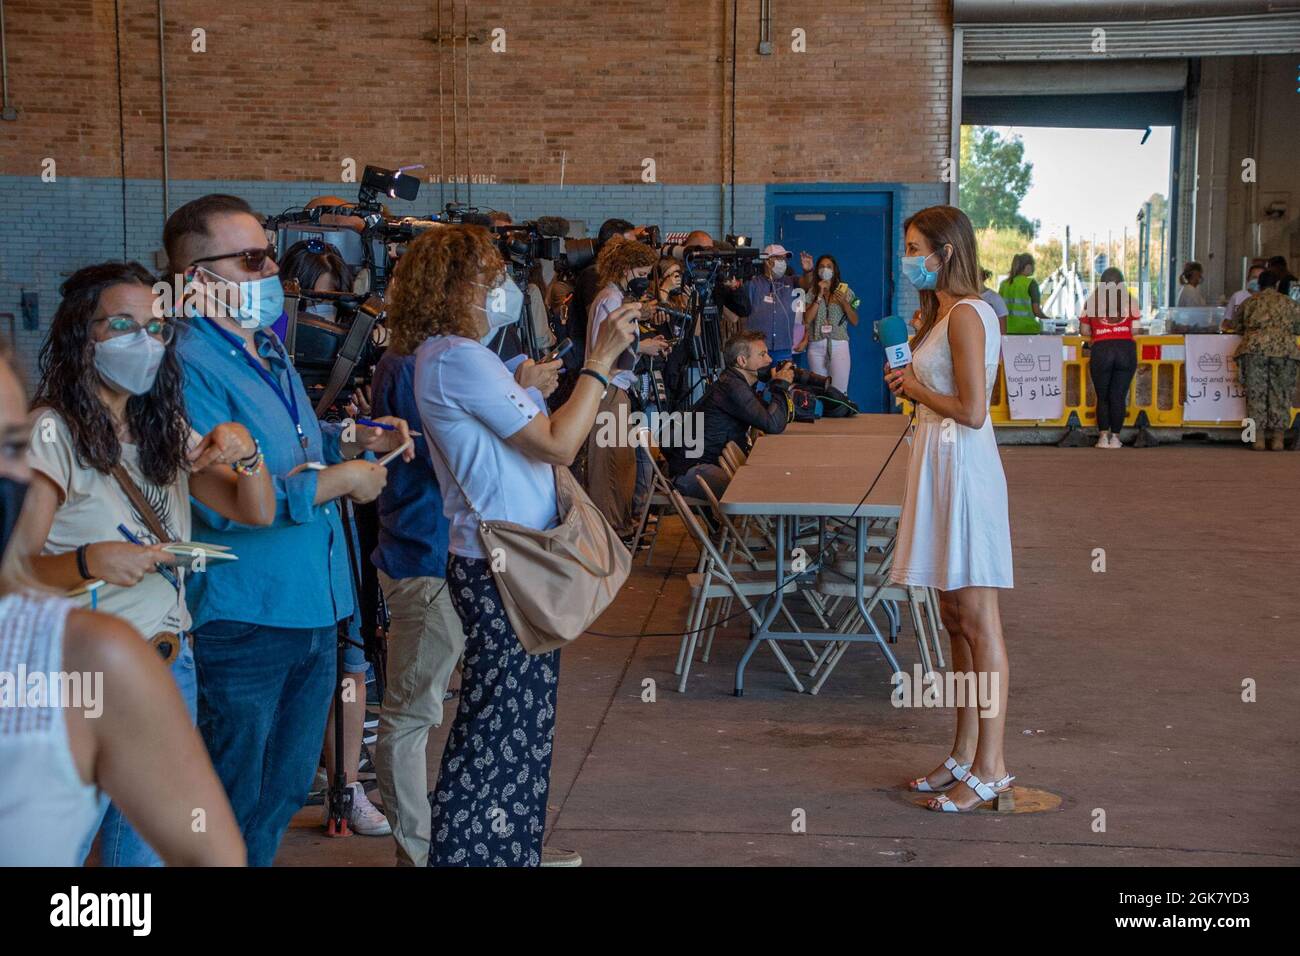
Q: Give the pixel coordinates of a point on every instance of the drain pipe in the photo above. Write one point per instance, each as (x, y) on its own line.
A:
(7, 112)
(162, 100)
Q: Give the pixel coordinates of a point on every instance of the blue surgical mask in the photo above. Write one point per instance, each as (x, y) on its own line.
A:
(1252, 286)
(913, 267)
(504, 303)
(261, 302)
(326, 310)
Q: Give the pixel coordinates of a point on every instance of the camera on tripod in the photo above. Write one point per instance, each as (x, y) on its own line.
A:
(336, 354)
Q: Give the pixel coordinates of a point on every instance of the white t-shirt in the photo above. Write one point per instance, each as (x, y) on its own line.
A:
(469, 405)
(1191, 297)
(94, 504)
(609, 300)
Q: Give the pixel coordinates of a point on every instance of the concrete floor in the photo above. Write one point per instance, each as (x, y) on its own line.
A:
(1125, 697)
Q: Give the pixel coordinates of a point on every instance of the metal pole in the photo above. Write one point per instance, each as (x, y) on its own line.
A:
(162, 96)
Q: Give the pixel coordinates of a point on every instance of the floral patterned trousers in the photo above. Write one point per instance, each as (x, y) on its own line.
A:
(489, 807)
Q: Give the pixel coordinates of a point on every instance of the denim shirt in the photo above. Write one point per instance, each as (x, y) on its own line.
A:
(294, 573)
(775, 319)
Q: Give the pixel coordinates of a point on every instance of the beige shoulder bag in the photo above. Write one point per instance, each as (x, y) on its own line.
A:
(555, 583)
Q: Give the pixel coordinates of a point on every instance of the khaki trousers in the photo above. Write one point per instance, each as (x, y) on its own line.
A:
(611, 469)
(425, 642)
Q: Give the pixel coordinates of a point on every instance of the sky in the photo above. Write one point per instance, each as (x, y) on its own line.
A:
(1092, 179)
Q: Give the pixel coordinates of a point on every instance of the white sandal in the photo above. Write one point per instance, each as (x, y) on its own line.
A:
(958, 771)
(988, 793)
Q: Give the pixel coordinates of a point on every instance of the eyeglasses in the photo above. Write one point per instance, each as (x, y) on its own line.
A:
(254, 259)
(120, 325)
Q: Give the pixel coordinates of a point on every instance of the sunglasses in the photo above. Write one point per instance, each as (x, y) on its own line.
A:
(121, 325)
(254, 259)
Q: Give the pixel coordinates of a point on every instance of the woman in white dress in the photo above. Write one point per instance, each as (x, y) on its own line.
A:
(954, 533)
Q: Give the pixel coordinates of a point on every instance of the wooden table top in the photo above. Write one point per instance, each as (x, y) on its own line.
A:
(857, 425)
(863, 451)
(831, 491)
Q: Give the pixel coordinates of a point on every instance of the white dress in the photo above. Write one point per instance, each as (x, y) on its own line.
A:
(954, 531)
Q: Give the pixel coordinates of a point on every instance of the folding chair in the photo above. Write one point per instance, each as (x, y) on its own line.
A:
(660, 502)
(715, 581)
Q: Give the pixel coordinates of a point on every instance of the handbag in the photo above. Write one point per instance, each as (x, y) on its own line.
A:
(553, 583)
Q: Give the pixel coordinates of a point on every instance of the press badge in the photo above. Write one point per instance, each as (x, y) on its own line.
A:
(826, 330)
(768, 299)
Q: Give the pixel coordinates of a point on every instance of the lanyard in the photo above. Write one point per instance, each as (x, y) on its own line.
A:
(290, 401)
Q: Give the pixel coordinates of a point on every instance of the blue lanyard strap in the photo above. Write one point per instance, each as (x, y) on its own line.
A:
(290, 401)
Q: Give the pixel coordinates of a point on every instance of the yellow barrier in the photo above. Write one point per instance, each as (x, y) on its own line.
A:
(1159, 388)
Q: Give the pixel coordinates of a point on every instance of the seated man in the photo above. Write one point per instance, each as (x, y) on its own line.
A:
(730, 408)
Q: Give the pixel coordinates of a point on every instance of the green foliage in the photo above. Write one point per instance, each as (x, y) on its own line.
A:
(994, 180)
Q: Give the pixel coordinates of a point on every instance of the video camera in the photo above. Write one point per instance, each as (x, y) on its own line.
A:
(336, 354)
(835, 403)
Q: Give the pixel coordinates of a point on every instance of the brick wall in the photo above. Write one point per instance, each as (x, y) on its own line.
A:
(265, 113)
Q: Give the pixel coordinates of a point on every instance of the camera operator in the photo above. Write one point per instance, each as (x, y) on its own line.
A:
(616, 472)
(587, 286)
(493, 452)
(776, 301)
(727, 293)
(265, 628)
(730, 408)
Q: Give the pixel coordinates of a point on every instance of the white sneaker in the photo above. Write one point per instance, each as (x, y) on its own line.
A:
(1115, 442)
(1103, 441)
(365, 819)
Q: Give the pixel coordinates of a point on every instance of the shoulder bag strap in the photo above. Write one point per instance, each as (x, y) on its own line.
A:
(141, 503)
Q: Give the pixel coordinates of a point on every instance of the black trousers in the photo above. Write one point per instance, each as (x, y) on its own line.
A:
(1112, 365)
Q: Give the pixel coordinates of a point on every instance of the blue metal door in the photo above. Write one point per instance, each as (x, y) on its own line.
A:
(855, 228)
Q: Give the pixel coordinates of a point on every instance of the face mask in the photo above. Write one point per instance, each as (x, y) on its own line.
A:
(504, 302)
(826, 274)
(637, 286)
(12, 493)
(130, 362)
(261, 302)
(326, 310)
(914, 269)
(1252, 286)
(778, 268)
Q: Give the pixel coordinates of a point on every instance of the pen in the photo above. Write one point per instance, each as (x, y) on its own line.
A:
(386, 427)
(167, 575)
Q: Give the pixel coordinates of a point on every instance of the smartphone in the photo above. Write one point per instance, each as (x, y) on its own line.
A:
(561, 349)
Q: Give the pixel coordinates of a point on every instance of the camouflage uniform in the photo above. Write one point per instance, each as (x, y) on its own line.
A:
(1268, 357)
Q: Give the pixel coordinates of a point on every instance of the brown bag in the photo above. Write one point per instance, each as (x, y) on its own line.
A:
(554, 583)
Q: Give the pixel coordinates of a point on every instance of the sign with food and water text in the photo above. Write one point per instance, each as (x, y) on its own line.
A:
(1214, 393)
(1035, 383)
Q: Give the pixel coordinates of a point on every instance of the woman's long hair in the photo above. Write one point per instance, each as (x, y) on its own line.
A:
(433, 291)
(960, 274)
(69, 383)
(619, 256)
(1110, 300)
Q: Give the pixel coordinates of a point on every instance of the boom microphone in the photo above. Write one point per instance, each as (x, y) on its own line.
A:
(893, 336)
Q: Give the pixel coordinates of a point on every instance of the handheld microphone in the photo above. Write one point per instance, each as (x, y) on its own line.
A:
(893, 336)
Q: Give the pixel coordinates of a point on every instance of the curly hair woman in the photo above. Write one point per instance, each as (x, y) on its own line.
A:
(493, 450)
(114, 464)
(618, 477)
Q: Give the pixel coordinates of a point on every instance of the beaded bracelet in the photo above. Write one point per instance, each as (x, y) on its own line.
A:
(252, 464)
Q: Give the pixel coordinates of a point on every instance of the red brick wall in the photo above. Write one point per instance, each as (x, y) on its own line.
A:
(287, 89)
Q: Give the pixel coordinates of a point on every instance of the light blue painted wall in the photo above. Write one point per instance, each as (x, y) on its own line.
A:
(48, 230)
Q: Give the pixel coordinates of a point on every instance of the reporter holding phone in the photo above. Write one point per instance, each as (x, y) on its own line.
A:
(490, 445)
(425, 637)
(265, 628)
(110, 413)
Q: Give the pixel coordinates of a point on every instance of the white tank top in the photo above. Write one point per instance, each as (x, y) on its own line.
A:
(46, 811)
